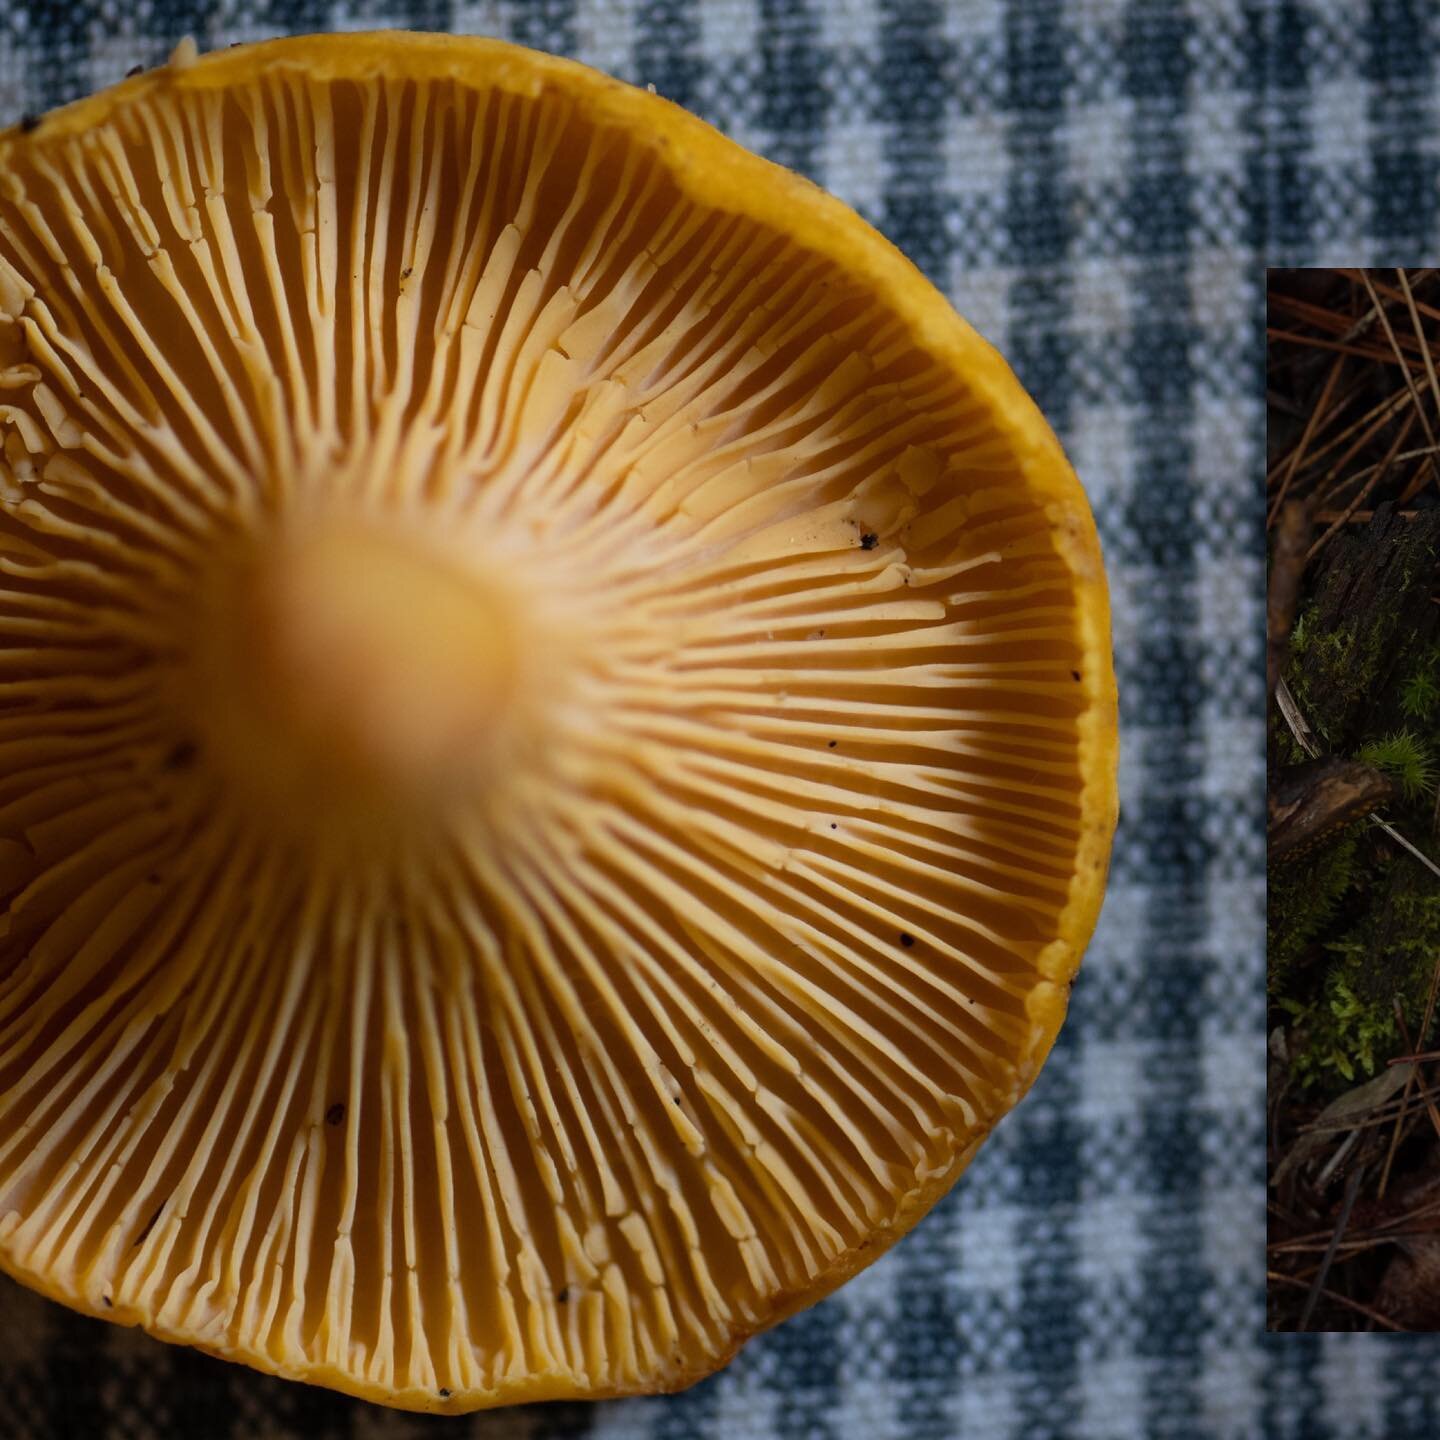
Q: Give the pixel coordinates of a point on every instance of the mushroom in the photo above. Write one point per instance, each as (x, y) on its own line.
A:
(557, 731)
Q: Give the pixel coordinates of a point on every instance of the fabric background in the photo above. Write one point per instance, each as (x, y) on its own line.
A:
(1098, 186)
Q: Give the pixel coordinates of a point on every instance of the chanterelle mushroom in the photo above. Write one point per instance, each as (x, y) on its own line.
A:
(556, 725)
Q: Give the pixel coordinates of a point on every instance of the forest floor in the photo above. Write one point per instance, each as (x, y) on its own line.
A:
(1353, 520)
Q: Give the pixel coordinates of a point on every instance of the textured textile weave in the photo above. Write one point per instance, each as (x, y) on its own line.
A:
(1097, 184)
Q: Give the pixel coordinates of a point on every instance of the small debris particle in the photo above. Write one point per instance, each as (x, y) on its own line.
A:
(833, 825)
(109, 1303)
(833, 744)
(444, 1393)
(144, 1235)
(29, 122)
(1074, 674)
(563, 1296)
(182, 756)
(406, 272)
(133, 71)
(869, 540)
(906, 940)
(335, 1114)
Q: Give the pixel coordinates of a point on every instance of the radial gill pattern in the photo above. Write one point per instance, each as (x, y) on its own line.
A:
(539, 743)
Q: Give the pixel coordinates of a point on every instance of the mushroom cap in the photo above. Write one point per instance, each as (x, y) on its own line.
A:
(557, 729)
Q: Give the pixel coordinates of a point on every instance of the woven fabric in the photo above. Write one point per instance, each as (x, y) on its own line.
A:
(1097, 184)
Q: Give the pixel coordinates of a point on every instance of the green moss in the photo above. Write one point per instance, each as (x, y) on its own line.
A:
(1417, 560)
(1346, 1029)
(1338, 1036)
(1329, 669)
(1420, 691)
(1356, 926)
(1345, 665)
(1302, 899)
(1290, 749)
(1405, 759)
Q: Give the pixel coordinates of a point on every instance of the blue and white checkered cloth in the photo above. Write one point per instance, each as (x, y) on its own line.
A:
(1098, 185)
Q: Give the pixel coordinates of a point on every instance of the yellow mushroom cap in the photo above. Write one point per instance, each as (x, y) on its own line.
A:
(557, 731)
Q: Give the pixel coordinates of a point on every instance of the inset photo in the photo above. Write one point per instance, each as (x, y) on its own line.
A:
(1353, 669)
